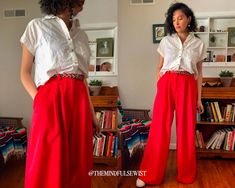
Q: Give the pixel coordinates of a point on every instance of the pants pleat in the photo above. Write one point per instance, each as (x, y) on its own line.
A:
(176, 92)
(59, 151)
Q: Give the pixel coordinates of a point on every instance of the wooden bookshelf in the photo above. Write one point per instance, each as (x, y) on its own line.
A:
(107, 100)
(224, 95)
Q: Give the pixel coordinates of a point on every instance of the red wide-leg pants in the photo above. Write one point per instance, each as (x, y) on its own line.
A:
(176, 92)
(59, 151)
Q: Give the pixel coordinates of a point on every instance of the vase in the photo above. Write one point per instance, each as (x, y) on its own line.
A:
(94, 90)
(226, 81)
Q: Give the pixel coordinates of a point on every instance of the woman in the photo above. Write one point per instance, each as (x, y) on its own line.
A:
(60, 144)
(179, 89)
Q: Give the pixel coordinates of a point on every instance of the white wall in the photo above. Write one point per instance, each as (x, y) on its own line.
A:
(138, 58)
(14, 101)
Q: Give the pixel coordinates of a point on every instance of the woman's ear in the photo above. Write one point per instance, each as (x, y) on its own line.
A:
(189, 20)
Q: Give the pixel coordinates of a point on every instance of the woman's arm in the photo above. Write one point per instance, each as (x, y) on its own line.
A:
(200, 107)
(25, 72)
(96, 124)
(159, 67)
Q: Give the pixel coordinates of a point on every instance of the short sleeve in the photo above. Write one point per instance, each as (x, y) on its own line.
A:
(203, 52)
(29, 37)
(160, 48)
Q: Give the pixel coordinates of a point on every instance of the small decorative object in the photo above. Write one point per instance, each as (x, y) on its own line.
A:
(106, 66)
(158, 32)
(220, 58)
(105, 47)
(208, 56)
(95, 86)
(231, 36)
(226, 77)
(91, 68)
(201, 28)
(233, 57)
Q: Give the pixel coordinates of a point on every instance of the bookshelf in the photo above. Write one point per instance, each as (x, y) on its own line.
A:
(216, 31)
(107, 102)
(224, 96)
(103, 44)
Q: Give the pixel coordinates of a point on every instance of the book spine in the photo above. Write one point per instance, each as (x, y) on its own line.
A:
(217, 109)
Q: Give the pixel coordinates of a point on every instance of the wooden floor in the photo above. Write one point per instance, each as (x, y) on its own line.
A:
(212, 173)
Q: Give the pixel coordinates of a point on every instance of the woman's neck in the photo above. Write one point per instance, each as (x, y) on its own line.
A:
(183, 36)
(65, 16)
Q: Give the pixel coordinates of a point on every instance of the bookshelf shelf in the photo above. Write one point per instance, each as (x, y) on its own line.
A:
(224, 96)
(106, 104)
(216, 123)
(215, 153)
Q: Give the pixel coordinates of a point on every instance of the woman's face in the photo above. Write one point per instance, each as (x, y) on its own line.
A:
(77, 7)
(181, 21)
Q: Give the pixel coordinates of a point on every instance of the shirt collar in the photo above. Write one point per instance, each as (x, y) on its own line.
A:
(189, 37)
(50, 16)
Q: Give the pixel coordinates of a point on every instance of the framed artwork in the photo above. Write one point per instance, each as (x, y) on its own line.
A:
(208, 56)
(158, 32)
(105, 47)
(231, 36)
(92, 45)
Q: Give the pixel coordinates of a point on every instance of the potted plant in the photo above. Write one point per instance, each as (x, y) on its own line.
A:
(95, 86)
(226, 77)
(212, 40)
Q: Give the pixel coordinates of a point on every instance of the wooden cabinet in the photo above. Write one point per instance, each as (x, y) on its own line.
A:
(224, 96)
(106, 104)
(217, 32)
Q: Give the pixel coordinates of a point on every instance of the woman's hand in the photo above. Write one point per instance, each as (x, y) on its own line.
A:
(95, 125)
(200, 107)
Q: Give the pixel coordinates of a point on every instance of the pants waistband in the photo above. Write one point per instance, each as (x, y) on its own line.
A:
(65, 75)
(180, 72)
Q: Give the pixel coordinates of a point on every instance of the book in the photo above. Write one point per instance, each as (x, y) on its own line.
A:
(213, 111)
(221, 139)
(217, 109)
(211, 140)
(216, 140)
(228, 112)
(209, 110)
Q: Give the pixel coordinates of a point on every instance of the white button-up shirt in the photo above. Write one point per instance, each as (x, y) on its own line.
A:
(181, 57)
(55, 48)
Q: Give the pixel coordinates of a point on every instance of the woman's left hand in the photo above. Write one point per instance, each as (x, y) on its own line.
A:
(200, 107)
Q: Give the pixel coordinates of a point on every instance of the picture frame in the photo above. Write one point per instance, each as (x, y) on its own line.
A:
(92, 45)
(231, 36)
(158, 32)
(105, 47)
(208, 56)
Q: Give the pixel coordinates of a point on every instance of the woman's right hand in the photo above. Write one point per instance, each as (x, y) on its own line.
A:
(96, 126)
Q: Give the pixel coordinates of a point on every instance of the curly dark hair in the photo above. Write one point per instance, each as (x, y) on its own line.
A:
(56, 6)
(170, 29)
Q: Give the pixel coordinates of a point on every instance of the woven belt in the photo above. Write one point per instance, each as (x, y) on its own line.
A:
(180, 72)
(65, 75)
